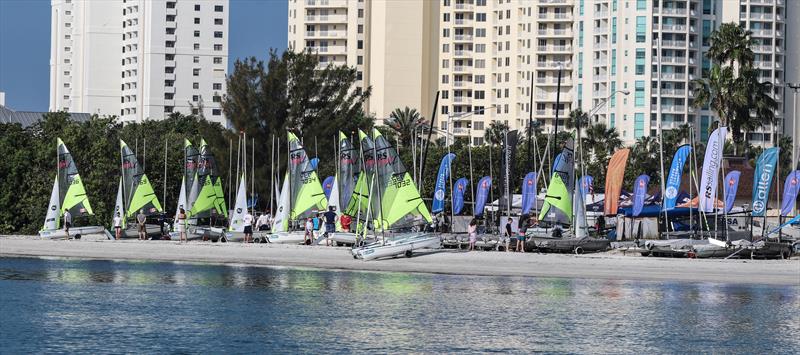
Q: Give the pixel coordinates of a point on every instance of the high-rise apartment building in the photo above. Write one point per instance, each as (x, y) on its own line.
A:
(390, 43)
(500, 60)
(654, 50)
(139, 59)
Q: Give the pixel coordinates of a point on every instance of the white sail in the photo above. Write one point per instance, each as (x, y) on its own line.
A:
(118, 206)
(193, 192)
(181, 203)
(579, 208)
(281, 223)
(333, 200)
(240, 208)
(51, 221)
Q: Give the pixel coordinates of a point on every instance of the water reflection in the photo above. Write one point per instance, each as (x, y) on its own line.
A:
(73, 305)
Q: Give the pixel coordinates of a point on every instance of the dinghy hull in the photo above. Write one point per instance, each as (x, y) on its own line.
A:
(401, 245)
(85, 232)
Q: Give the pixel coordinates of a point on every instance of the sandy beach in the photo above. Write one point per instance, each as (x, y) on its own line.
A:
(610, 265)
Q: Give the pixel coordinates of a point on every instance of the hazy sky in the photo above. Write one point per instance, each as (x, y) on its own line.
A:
(255, 26)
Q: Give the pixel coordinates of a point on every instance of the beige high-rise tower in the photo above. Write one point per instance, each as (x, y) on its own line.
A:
(391, 44)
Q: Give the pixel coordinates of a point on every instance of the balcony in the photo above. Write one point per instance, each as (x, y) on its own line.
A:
(762, 32)
(463, 21)
(670, 43)
(464, 7)
(460, 68)
(600, 62)
(673, 92)
(459, 83)
(760, 16)
(673, 28)
(601, 30)
(462, 53)
(674, 11)
(601, 14)
(329, 34)
(670, 108)
(326, 18)
(673, 60)
(462, 99)
(460, 131)
(462, 38)
(671, 76)
(326, 3)
(552, 2)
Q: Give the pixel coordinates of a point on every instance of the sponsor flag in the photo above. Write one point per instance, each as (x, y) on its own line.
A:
(674, 177)
(790, 190)
(731, 186)
(327, 186)
(441, 183)
(614, 176)
(484, 185)
(711, 165)
(639, 193)
(528, 192)
(507, 167)
(458, 194)
(765, 170)
(587, 186)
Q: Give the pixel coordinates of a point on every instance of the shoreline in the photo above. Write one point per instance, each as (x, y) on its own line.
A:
(606, 266)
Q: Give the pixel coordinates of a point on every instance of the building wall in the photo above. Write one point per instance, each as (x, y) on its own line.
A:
(140, 59)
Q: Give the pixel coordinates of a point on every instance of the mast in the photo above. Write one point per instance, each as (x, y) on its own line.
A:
(164, 195)
(271, 174)
(471, 182)
(230, 161)
(289, 177)
(427, 143)
(253, 174)
(380, 198)
(691, 174)
(491, 189)
(663, 189)
(144, 155)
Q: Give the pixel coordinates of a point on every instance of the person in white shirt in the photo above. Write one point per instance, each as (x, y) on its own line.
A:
(117, 226)
(263, 222)
(67, 222)
(248, 227)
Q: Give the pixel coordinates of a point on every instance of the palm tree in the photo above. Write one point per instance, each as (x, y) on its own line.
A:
(494, 133)
(576, 116)
(731, 88)
(600, 142)
(404, 122)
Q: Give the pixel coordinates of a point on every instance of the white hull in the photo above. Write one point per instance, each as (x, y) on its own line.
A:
(86, 232)
(132, 231)
(295, 237)
(343, 237)
(398, 246)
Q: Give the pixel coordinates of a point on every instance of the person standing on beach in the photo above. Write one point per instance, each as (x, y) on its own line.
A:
(523, 227)
(309, 235)
(346, 220)
(181, 217)
(330, 224)
(67, 222)
(117, 227)
(140, 219)
(473, 234)
(316, 222)
(263, 222)
(248, 226)
(509, 234)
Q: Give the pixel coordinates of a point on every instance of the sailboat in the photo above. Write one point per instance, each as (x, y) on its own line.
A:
(401, 209)
(343, 191)
(558, 206)
(189, 182)
(209, 206)
(300, 196)
(135, 194)
(68, 194)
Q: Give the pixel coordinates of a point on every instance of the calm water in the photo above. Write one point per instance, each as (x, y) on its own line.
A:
(90, 306)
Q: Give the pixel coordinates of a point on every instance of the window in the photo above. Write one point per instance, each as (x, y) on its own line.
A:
(480, 2)
(217, 86)
(360, 44)
(480, 95)
(217, 60)
(359, 75)
(67, 49)
(170, 44)
(639, 95)
(360, 13)
(67, 24)
(196, 72)
(445, 79)
(169, 70)
(218, 8)
(480, 32)
(169, 83)
(196, 7)
(480, 17)
(445, 94)
(445, 63)
(707, 29)
(195, 98)
(480, 79)
(360, 28)
(612, 122)
(195, 85)
(580, 34)
(217, 21)
(170, 18)
(641, 4)
(638, 125)
(613, 62)
(197, 33)
(445, 111)
(641, 29)
(171, 4)
(580, 64)
(197, 46)
(168, 109)
(707, 7)
(580, 8)
(614, 30)
(478, 110)
(580, 95)
(613, 97)
(640, 56)
(216, 112)
(613, 5)
(480, 48)
(66, 72)
(216, 98)
(196, 20)
(217, 34)
(217, 47)
(196, 59)
(360, 60)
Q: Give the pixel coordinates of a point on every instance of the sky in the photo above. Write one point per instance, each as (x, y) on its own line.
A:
(255, 27)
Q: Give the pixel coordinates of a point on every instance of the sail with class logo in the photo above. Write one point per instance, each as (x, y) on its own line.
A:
(528, 192)
(731, 187)
(68, 193)
(484, 187)
(640, 193)
(458, 194)
(137, 191)
(562, 184)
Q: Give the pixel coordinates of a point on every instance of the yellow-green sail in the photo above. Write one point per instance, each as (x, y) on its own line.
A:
(205, 199)
(219, 202)
(306, 190)
(70, 184)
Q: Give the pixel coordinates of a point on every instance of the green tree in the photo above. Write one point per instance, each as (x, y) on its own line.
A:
(731, 88)
(494, 133)
(405, 122)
